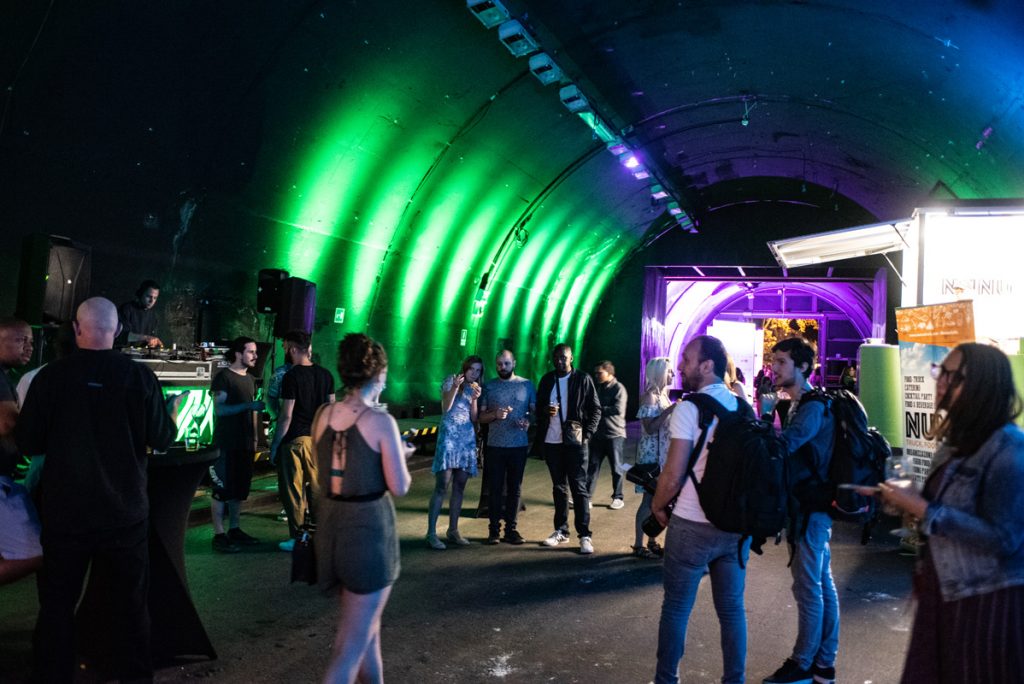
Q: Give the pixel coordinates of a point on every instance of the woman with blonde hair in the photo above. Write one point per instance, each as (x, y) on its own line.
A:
(361, 465)
(969, 579)
(654, 413)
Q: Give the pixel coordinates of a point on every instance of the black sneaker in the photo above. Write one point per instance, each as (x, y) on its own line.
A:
(823, 675)
(790, 673)
(236, 535)
(513, 537)
(493, 538)
(221, 544)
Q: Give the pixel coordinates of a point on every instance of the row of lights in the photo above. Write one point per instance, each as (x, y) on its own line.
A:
(520, 42)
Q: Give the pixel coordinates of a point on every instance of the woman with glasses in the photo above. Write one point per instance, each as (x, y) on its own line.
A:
(969, 580)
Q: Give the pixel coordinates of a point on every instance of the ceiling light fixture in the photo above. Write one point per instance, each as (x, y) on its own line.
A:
(489, 12)
(517, 39)
(545, 69)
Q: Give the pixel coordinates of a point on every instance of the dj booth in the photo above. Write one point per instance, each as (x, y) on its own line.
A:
(177, 631)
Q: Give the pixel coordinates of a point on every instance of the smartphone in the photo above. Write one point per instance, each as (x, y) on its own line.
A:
(860, 488)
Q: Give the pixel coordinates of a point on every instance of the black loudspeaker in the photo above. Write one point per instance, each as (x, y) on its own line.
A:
(297, 307)
(54, 278)
(268, 289)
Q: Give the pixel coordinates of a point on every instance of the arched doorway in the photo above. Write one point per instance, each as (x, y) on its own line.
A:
(735, 302)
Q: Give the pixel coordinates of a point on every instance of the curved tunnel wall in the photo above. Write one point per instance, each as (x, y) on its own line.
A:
(398, 156)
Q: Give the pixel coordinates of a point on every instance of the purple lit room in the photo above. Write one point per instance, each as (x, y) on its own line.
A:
(419, 295)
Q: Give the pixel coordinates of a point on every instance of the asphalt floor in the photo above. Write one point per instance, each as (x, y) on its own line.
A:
(517, 614)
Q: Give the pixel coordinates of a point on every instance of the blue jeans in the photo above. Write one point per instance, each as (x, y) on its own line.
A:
(690, 549)
(817, 602)
(598, 450)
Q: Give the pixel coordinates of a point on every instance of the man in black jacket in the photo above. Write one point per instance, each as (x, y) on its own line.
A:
(563, 430)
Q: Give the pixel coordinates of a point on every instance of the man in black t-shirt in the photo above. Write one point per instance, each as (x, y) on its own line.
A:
(93, 414)
(305, 388)
(138, 317)
(236, 412)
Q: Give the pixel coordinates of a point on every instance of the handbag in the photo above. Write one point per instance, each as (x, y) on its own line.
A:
(304, 558)
(572, 430)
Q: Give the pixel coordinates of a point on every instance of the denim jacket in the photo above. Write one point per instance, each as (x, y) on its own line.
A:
(975, 523)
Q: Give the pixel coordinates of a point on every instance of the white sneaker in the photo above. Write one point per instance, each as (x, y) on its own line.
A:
(586, 546)
(616, 504)
(555, 539)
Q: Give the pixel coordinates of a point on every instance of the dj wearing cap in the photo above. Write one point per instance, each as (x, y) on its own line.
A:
(138, 319)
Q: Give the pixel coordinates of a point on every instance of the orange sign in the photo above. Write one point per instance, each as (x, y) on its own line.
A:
(943, 325)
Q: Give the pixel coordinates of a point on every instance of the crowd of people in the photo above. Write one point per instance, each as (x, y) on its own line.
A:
(341, 461)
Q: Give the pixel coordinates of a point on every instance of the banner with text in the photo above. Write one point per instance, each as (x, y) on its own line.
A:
(926, 334)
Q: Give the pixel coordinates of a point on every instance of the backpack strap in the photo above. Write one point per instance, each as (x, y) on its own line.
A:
(708, 409)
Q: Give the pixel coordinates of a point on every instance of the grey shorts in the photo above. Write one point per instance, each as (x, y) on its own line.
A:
(19, 523)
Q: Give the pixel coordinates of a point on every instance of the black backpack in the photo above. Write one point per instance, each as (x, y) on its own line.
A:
(744, 488)
(859, 455)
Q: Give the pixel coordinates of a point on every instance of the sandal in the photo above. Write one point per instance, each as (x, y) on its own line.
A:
(642, 552)
(655, 548)
(435, 543)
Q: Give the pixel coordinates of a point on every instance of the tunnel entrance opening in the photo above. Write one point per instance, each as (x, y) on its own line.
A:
(750, 308)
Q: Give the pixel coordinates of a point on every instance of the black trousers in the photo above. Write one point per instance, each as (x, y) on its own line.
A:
(119, 561)
(567, 465)
(503, 470)
(598, 450)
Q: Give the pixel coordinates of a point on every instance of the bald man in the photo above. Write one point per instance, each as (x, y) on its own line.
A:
(93, 414)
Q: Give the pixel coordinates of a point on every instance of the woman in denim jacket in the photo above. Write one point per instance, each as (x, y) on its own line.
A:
(969, 580)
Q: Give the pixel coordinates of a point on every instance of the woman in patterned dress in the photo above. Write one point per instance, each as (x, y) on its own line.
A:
(655, 410)
(455, 456)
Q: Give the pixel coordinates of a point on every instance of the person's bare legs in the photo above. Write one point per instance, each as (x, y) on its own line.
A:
(372, 669)
(459, 479)
(441, 482)
(217, 509)
(356, 650)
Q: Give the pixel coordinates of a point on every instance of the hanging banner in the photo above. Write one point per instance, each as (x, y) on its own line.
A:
(926, 334)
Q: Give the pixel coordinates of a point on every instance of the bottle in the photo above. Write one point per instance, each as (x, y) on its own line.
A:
(192, 438)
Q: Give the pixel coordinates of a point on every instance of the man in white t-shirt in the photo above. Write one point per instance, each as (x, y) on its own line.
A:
(692, 543)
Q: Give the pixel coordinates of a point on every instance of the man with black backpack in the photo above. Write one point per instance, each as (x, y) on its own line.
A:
(808, 431)
(693, 543)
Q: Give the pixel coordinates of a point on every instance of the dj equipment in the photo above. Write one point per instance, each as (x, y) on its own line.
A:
(54, 278)
(195, 412)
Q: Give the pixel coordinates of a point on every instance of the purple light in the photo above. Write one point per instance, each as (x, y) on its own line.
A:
(631, 162)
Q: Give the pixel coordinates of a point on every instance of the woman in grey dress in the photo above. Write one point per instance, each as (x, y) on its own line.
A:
(361, 461)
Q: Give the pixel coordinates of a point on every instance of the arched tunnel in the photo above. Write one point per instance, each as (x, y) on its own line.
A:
(444, 199)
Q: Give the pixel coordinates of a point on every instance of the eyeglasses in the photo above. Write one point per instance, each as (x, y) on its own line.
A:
(940, 372)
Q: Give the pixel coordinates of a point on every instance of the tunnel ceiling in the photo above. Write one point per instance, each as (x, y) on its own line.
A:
(399, 156)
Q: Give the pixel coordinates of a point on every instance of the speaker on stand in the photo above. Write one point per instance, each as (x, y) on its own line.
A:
(297, 307)
(268, 289)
